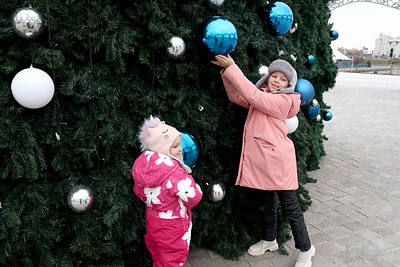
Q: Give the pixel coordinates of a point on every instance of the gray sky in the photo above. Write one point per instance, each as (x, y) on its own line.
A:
(359, 24)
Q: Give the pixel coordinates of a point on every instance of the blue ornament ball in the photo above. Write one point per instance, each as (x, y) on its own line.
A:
(279, 18)
(190, 147)
(313, 112)
(217, 36)
(305, 89)
(310, 61)
(327, 116)
(333, 34)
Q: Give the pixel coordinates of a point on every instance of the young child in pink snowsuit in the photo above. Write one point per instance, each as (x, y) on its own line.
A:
(164, 183)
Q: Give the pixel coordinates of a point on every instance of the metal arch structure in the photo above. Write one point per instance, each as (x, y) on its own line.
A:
(389, 3)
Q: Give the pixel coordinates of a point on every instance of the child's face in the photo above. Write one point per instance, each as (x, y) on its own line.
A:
(176, 149)
(276, 81)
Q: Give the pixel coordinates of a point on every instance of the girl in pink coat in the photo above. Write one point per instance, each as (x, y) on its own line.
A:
(268, 159)
(164, 183)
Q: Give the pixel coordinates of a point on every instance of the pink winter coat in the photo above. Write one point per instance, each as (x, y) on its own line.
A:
(169, 192)
(268, 159)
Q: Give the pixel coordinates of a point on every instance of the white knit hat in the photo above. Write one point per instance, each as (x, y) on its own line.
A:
(157, 136)
(284, 67)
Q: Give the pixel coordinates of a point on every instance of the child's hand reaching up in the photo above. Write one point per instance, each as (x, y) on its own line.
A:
(223, 61)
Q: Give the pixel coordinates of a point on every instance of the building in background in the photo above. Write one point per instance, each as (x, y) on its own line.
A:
(394, 47)
(386, 46)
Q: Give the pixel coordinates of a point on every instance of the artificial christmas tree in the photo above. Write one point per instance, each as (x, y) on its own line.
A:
(111, 68)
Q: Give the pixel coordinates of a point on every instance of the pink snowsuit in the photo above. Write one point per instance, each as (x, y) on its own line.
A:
(169, 192)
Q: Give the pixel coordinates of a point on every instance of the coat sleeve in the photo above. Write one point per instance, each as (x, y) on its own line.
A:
(184, 186)
(137, 188)
(277, 105)
(233, 95)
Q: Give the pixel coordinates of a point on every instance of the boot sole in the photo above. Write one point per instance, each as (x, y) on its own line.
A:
(309, 264)
(261, 252)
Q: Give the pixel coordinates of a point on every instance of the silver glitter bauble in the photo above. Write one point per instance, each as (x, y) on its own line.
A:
(262, 70)
(216, 2)
(27, 22)
(216, 191)
(177, 47)
(314, 103)
(80, 198)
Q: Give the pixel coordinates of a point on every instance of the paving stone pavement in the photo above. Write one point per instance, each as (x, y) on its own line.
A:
(354, 220)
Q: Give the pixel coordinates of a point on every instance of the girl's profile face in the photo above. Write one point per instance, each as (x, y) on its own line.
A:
(176, 149)
(276, 81)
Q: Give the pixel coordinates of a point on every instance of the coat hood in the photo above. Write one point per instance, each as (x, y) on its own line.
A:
(152, 168)
(284, 67)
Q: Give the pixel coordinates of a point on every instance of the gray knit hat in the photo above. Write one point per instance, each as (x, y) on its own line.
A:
(284, 67)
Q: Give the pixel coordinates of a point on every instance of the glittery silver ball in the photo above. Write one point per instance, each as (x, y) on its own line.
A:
(27, 22)
(314, 103)
(262, 70)
(216, 2)
(177, 47)
(80, 198)
(216, 191)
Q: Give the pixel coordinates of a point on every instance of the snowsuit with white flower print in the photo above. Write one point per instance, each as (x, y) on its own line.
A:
(169, 193)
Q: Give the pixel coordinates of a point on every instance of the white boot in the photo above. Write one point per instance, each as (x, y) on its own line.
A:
(261, 247)
(304, 258)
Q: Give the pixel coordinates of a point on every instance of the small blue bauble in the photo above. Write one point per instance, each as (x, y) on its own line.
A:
(305, 89)
(279, 18)
(217, 36)
(190, 148)
(327, 116)
(313, 112)
(310, 61)
(333, 34)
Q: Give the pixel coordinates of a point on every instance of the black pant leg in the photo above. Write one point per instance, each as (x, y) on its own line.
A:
(294, 213)
(269, 230)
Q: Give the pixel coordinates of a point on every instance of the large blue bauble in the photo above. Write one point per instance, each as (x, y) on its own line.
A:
(190, 147)
(279, 18)
(306, 90)
(217, 36)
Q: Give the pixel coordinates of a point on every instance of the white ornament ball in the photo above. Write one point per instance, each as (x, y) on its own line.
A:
(32, 88)
(292, 124)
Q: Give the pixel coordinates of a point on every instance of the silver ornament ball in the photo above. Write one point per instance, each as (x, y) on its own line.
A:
(216, 191)
(27, 22)
(262, 70)
(177, 47)
(216, 2)
(80, 198)
(314, 103)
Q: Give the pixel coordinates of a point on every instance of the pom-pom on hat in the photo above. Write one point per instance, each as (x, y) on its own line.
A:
(284, 67)
(157, 136)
